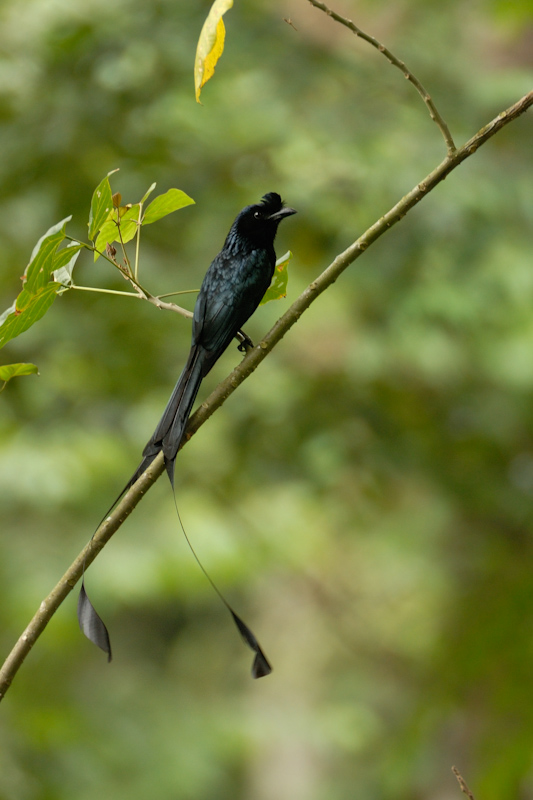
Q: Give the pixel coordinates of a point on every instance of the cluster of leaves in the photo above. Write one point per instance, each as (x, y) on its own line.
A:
(110, 222)
(39, 290)
(49, 272)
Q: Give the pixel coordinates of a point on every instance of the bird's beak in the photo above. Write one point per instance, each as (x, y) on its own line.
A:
(283, 212)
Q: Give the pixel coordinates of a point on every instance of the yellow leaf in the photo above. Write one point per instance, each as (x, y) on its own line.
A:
(210, 44)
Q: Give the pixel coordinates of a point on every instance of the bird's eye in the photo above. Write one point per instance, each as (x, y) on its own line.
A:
(257, 214)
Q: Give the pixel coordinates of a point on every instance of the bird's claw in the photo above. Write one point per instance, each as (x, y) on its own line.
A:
(246, 343)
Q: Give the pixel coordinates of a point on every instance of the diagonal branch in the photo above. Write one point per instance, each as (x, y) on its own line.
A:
(249, 363)
(426, 97)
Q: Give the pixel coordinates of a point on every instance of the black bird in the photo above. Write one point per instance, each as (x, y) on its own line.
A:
(232, 288)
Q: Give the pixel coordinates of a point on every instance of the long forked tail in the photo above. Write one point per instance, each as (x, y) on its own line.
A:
(171, 427)
(167, 437)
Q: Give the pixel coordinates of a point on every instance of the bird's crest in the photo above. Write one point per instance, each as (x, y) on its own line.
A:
(272, 202)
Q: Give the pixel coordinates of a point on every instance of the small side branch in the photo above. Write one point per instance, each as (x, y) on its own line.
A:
(462, 783)
(155, 301)
(139, 291)
(426, 97)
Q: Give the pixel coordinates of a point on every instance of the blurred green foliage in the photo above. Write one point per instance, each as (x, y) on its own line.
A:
(365, 498)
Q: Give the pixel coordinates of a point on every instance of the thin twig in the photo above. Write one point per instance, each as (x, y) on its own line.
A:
(136, 295)
(249, 363)
(129, 273)
(162, 304)
(426, 97)
(181, 291)
(138, 241)
(140, 292)
(463, 784)
(156, 301)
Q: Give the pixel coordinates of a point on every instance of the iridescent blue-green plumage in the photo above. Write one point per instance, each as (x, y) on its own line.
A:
(232, 288)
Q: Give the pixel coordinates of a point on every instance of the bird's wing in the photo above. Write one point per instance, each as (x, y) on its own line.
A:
(230, 293)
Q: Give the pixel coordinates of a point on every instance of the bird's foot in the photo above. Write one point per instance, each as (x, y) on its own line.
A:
(246, 343)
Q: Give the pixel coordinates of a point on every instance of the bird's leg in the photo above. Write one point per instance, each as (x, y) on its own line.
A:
(246, 343)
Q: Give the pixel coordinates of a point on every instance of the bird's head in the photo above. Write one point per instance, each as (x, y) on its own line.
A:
(259, 223)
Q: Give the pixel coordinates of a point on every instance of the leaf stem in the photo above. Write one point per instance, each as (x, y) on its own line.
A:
(138, 241)
(156, 301)
(182, 291)
(141, 292)
(102, 291)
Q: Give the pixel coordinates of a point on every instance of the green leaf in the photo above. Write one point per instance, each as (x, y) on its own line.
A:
(165, 204)
(38, 291)
(5, 314)
(41, 265)
(210, 44)
(280, 279)
(148, 193)
(129, 217)
(101, 205)
(54, 229)
(129, 223)
(107, 235)
(69, 253)
(9, 371)
(28, 309)
(64, 262)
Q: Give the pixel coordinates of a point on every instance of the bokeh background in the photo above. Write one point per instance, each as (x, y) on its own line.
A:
(364, 500)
